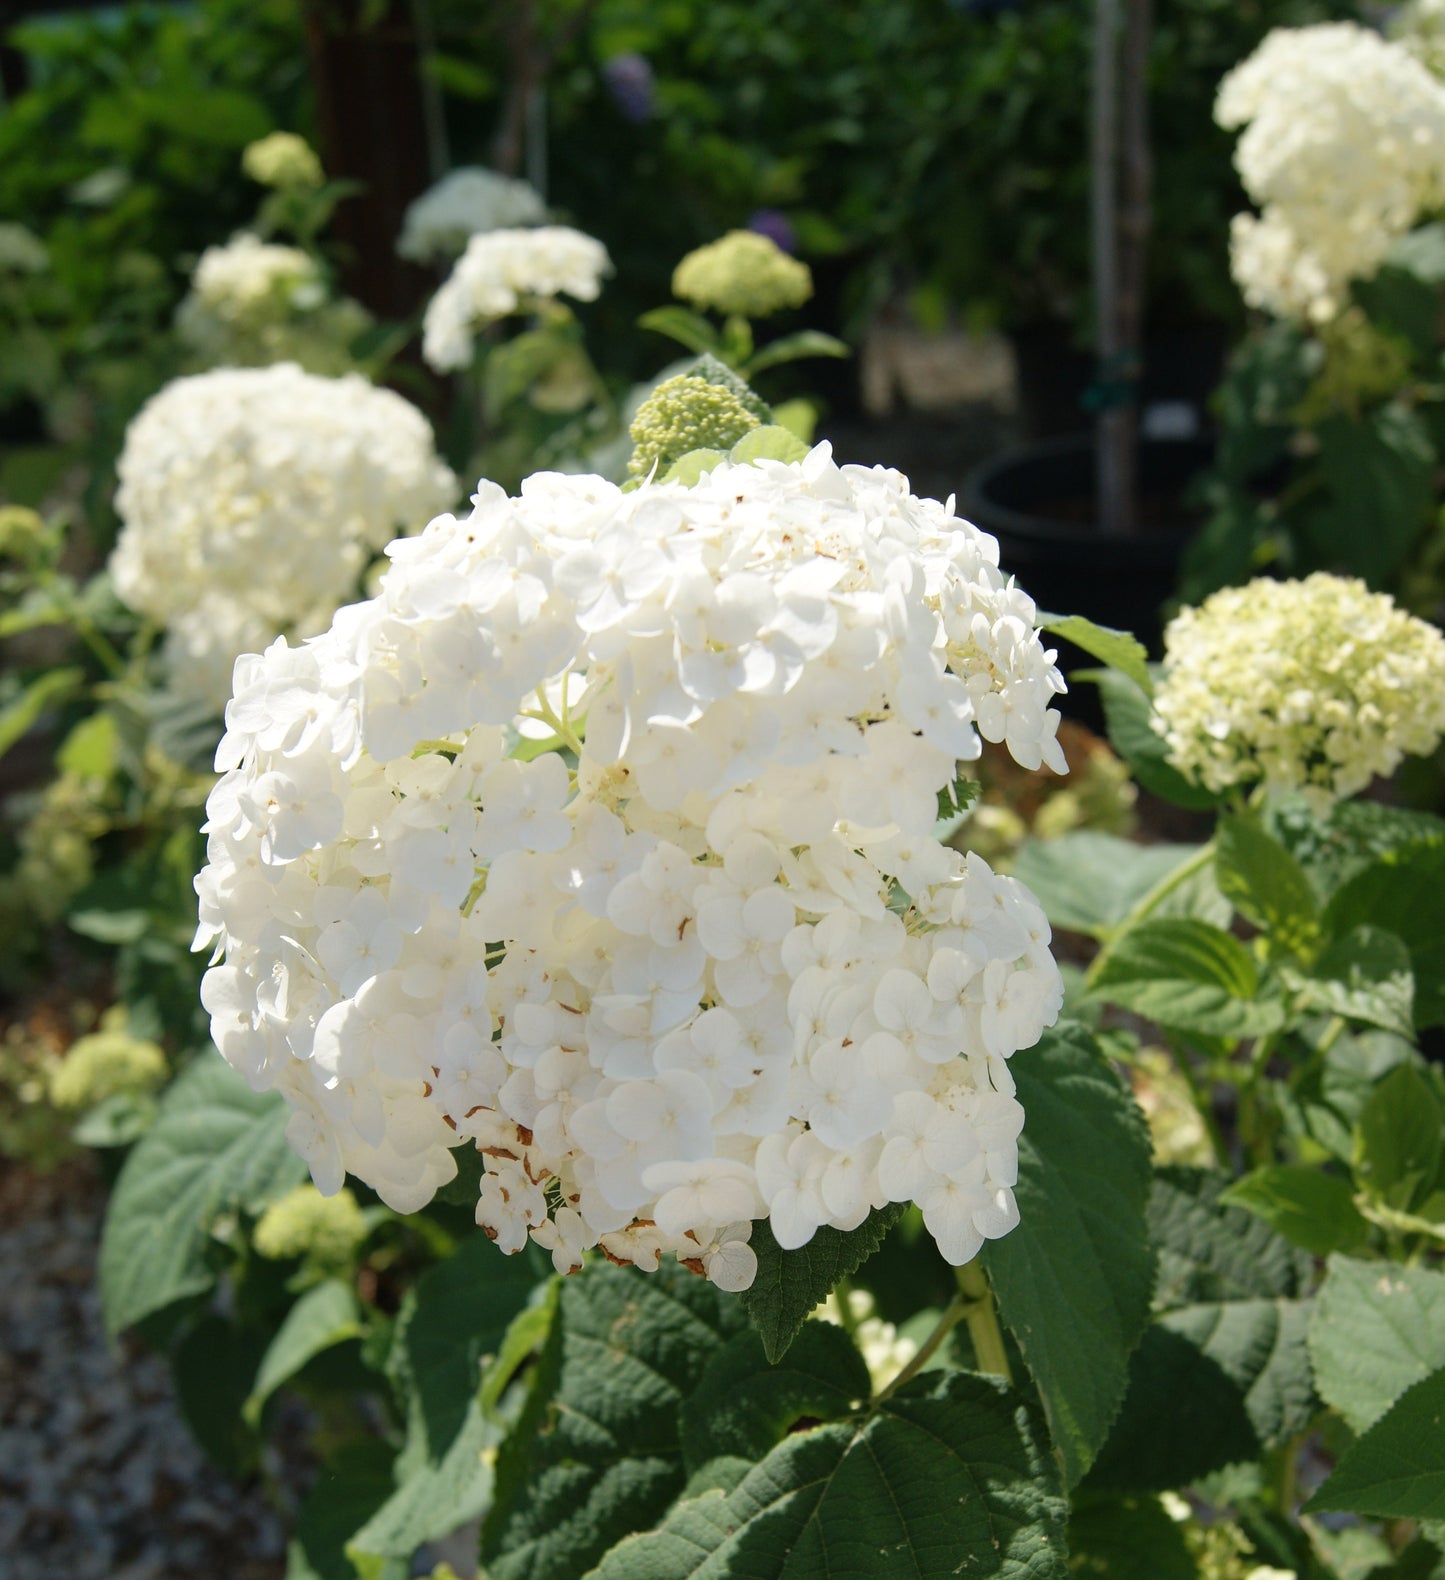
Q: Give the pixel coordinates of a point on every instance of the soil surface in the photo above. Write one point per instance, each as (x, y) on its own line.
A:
(100, 1478)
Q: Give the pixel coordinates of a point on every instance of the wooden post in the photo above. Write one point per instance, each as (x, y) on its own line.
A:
(1120, 222)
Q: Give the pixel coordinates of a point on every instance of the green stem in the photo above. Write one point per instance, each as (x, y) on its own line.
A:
(983, 1328)
(953, 1314)
(1148, 904)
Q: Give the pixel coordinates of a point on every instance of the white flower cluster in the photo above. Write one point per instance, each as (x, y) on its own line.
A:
(21, 250)
(252, 499)
(500, 273)
(1317, 685)
(1343, 149)
(248, 279)
(602, 839)
(465, 203)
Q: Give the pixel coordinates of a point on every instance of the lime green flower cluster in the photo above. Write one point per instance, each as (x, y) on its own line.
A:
(1420, 28)
(23, 534)
(1362, 366)
(689, 412)
(105, 1064)
(284, 161)
(326, 1230)
(56, 858)
(743, 273)
(1316, 685)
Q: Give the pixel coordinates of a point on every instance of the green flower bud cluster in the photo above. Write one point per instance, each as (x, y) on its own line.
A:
(23, 535)
(743, 273)
(284, 161)
(325, 1230)
(56, 859)
(683, 414)
(105, 1064)
(1363, 365)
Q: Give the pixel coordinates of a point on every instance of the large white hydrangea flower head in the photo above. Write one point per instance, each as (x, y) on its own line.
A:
(251, 500)
(1343, 148)
(602, 840)
(503, 272)
(1316, 685)
(466, 202)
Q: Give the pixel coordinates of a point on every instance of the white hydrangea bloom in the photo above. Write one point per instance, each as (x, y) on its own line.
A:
(251, 500)
(1317, 685)
(663, 975)
(246, 279)
(1343, 149)
(885, 1351)
(466, 202)
(499, 274)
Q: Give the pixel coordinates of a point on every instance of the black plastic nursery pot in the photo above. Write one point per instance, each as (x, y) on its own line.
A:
(1039, 502)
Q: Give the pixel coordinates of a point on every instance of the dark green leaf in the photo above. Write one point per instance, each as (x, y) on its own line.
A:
(1399, 1135)
(17, 717)
(1128, 1539)
(1379, 473)
(1378, 1328)
(1267, 885)
(215, 1145)
(1403, 892)
(1310, 1208)
(1212, 1252)
(1260, 1346)
(1185, 974)
(742, 1406)
(1397, 1469)
(1073, 1280)
(325, 1315)
(678, 323)
(789, 1284)
(795, 347)
(350, 1486)
(597, 1452)
(953, 1480)
(1364, 976)
(1126, 712)
(1120, 650)
(214, 1366)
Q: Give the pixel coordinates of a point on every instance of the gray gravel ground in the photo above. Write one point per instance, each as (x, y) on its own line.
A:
(99, 1477)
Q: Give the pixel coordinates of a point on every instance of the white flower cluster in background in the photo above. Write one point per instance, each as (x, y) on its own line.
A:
(1316, 685)
(248, 280)
(884, 1350)
(1343, 149)
(701, 958)
(251, 500)
(503, 272)
(1420, 28)
(21, 250)
(466, 202)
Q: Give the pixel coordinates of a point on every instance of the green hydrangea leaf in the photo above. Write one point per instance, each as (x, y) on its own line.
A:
(1310, 1208)
(950, 1478)
(1365, 976)
(1126, 713)
(453, 1321)
(1397, 1468)
(1377, 1329)
(1120, 650)
(350, 1486)
(1398, 1138)
(1267, 886)
(1128, 1539)
(742, 1406)
(789, 1284)
(1088, 882)
(693, 466)
(1209, 1251)
(327, 1314)
(678, 323)
(215, 1146)
(1073, 1280)
(1403, 892)
(597, 1451)
(1185, 974)
(771, 442)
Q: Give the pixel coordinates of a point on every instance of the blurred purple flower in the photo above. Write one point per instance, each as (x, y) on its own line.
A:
(629, 81)
(776, 226)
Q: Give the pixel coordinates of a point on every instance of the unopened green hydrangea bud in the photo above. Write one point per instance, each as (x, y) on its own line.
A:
(1362, 366)
(22, 534)
(106, 1064)
(683, 414)
(744, 273)
(326, 1230)
(283, 160)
